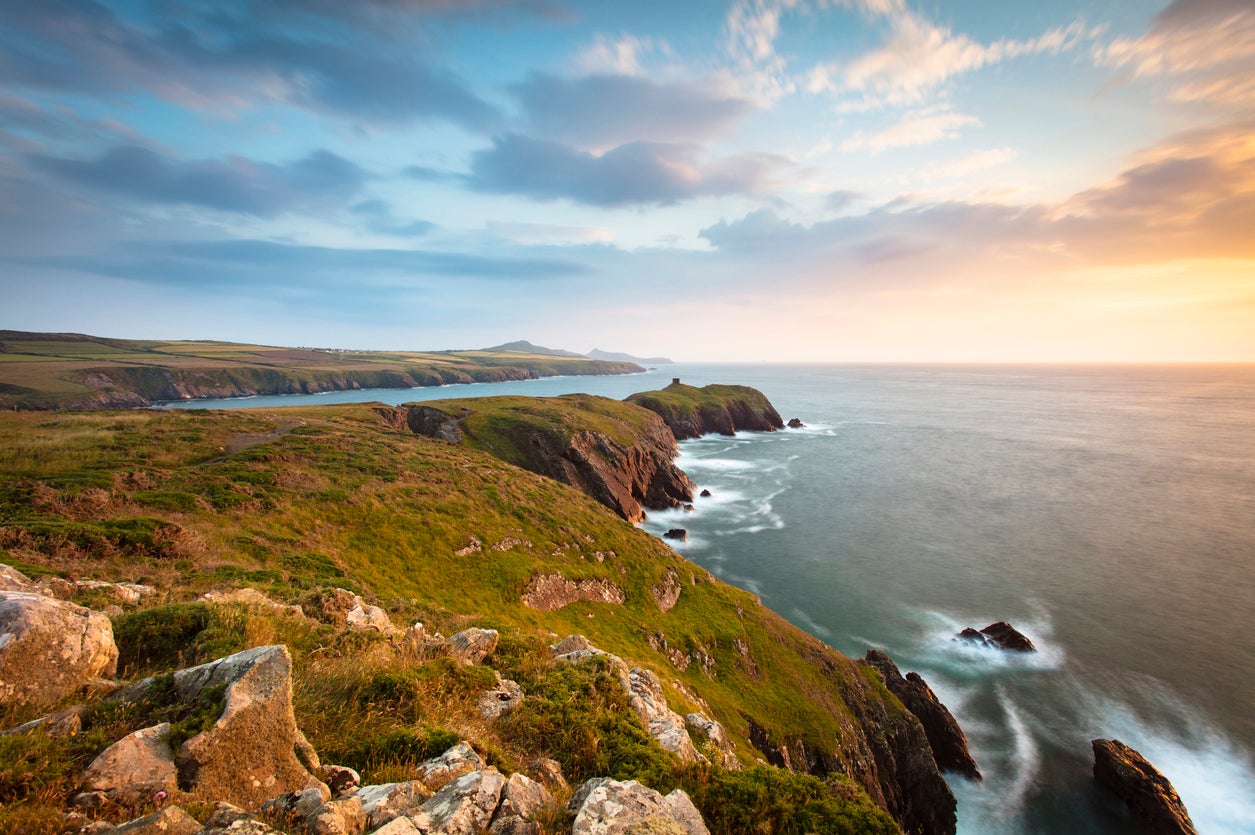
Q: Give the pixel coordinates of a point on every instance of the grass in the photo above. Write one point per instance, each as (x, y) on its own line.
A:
(340, 498)
(64, 371)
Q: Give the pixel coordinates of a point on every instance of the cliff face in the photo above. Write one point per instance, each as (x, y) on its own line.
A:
(691, 412)
(624, 460)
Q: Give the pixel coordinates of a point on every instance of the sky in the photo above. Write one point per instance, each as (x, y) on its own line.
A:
(782, 180)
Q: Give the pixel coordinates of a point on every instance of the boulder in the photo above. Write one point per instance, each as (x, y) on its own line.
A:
(1150, 797)
(332, 606)
(13, 580)
(717, 737)
(666, 592)
(471, 646)
(134, 769)
(522, 800)
(295, 807)
(50, 648)
(228, 819)
(337, 817)
(646, 697)
(250, 753)
(340, 779)
(458, 760)
(611, 807)
(948, 742)
(463, 807)
(677, 533)
(398, 826)
(61, 725)
(171, 820)
(251, 597)
(794, 423)
(550, 773)
(367, 618)
(502, 699)
(389, 801)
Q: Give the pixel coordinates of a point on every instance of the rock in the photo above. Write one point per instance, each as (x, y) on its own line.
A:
(550, 773)
(458, 760)
(522, 800)
(646, 697)
(340, 779)
(126, 592)
(1001, 635)
(464, 806)
(550, 592)
(171, 820)
(611, 807)
(677, 533)
(1150, 797)
(705, 494)
(249, 754)
(251, 597)
(134, 769)
(794, 423)
(62, 725)
(471, 646)
(503, 698)
(13, 580)
(717, 737)
(295, 807)
(333, 606)
(366, 618)
(571, 644)
(390, 801)
(398, 826)
(949, 744)
(228, 819)
(432, 422)
(50, 648)
(337, 817)
(666, 592)
(414, 639)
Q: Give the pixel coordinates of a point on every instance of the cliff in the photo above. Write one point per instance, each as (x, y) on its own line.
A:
(364, 528)
(619, 454)
(691, 412)
(77, 371)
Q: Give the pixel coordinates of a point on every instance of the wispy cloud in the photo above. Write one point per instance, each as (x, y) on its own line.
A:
(1205, 49)
(968, 164)
(617, 56)
(915, 127)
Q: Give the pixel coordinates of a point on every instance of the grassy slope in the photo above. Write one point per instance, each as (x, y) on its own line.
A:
(331, 496)
(47, 370)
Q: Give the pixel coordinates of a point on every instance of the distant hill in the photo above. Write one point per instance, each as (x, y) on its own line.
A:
(619, 356)
(522, 346)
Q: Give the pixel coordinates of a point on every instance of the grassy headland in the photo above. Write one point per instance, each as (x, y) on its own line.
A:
(69, 371)
(295, 502)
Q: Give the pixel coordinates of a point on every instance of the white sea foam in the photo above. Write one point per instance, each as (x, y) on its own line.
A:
(810, 624)
(968, 660)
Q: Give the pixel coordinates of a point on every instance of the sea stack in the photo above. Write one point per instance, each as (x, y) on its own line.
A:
(1151, 799)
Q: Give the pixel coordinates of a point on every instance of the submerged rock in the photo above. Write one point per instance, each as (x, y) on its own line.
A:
(678, 534)
(947, 739)
(1151, 799)
(795, 423)
(1001, 635)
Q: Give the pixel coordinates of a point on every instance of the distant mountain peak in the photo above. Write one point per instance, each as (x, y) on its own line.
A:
(598, 354)
(522, 346)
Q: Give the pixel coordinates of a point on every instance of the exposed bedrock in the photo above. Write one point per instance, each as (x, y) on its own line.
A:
(947, 739)
(1151, 799)
(691, 412)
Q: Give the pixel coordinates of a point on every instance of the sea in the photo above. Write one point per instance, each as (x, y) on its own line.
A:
(1108, 512)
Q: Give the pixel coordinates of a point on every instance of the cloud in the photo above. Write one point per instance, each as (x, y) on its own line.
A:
(548, 233)
(256, 263)
(1205, 48)
(919, 56)
(318, 56)
(916, 127)
(840, 199)
(968, 164)
(637, 173)
(601, 111)
(621, 56)
(230, 184)
(379, 218)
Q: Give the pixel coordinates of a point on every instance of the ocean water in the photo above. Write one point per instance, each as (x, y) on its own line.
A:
(1107, 512)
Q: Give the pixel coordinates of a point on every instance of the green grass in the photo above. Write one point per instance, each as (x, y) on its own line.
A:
(340, 498)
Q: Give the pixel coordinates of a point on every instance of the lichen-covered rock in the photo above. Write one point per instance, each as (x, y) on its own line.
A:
(367, 618)
(666, 592)
(132, 770)
(388, 801)
(61, 725)
(522, 801)
(228, 819)
(948, 742)
(717, 737)
(646, 697)
(171, 820)
(340, 779)
(50, 648)
(550, 592)
(295, 807)
(471, 646)
(458, 760)
(611, 807)
(13, 580)
(502, 699)
(398, 826)
(463, 807)
(337, 817)
(249, 754)
(1151, 799)
(251, 597)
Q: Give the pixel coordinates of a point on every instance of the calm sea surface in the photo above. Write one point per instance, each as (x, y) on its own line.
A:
(1108, 512)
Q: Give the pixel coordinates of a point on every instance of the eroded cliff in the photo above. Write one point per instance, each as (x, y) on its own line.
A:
(691, 412)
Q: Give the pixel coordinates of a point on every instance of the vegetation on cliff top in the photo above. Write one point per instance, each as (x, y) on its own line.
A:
(64, 371)
(296, 501)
